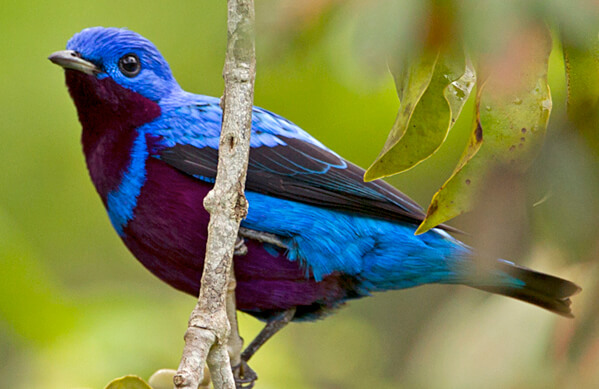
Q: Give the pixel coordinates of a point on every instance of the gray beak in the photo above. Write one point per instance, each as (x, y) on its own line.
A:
(70, 59)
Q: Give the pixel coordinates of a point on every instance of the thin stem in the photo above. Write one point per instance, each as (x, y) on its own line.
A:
(209, 327)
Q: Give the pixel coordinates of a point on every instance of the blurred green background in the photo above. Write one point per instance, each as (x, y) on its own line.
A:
(76, 309)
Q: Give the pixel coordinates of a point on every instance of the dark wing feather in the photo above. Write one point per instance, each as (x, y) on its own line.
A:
(304, 172)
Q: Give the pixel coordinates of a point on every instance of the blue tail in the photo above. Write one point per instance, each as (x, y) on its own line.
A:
(383, 255)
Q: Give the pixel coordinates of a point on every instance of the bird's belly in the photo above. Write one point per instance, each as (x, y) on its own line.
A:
(168, 236)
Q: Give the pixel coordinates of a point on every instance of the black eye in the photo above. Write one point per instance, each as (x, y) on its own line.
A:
(130, 65)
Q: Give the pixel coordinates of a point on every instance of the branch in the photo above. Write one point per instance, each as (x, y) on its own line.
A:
(209, 327)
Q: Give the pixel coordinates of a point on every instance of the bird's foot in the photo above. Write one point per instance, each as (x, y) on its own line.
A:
(240, 247)
(244, 376)
(263, 237)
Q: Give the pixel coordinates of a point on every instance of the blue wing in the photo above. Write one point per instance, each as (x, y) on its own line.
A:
(285, 162)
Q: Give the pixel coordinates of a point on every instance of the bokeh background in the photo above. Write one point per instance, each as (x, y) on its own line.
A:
(76, 309)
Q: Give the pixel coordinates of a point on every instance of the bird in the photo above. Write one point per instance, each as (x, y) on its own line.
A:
(316, 235)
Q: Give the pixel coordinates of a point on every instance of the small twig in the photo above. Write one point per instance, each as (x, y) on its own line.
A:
(209, 328)
(235, 342)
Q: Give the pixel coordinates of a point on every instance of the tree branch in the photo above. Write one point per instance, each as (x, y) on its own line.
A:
(209, 327)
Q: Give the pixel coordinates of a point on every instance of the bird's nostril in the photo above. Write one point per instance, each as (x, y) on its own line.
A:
(75, 54)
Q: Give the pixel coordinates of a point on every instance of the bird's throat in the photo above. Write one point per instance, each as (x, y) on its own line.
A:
(110, 116)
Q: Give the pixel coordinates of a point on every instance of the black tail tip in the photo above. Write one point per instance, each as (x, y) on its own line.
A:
(543, 290)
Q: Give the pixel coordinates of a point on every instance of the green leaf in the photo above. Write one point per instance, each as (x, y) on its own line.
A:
(512, 110)
(128, 382)
(582, 72)
(432, 91)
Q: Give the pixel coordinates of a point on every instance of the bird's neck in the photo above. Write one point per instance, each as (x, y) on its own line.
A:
(110, 116)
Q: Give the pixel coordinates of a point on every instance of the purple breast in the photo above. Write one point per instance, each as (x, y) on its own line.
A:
(168, 236)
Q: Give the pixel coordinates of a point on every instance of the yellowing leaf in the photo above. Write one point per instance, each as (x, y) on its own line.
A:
(432, 91)
(512, 109)
(128, 382)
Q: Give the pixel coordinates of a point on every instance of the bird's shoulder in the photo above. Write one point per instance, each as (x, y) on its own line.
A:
(195, 120)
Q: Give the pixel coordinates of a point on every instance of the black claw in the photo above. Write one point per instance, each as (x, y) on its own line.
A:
(245, 377)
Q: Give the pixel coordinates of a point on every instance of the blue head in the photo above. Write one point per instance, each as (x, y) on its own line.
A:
(126, 57)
